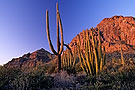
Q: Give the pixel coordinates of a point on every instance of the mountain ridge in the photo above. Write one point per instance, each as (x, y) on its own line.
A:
(30, 60)
(111, 29)
(111, 38)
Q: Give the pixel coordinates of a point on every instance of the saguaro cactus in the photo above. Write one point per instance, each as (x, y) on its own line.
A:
(59, 44)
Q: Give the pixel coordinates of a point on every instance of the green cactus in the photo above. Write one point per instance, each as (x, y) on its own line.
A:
(122, 58)
(93, 59)
(121, 51)
(69, 60)
(59, 44)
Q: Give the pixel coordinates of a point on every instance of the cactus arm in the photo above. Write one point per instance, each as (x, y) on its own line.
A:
(48, 34)
(85, 63)
(82, 65)
(66, 64)
(90, 52)
(61, 32)
(62, 58)
(87, 52)
(57, 24)
(68, 56)
(95, 53)
(74, 58)
(99, 45)
(70, 60)
(100, 51)
(121, 51)
(104, 56)
(68, 48)
(122, 58)
(81, 57)
(101, 64)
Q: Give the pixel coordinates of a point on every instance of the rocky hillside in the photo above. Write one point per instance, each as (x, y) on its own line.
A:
(114, 31)
(31, 59)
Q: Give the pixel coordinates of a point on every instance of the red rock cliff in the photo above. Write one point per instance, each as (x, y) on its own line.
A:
(113, 29)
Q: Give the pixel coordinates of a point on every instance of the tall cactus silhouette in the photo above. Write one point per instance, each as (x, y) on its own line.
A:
(59, 44)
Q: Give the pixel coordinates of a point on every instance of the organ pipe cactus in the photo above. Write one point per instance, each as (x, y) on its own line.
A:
(122, 58)
(59, 44)
(93, 57)
(69, 59)
(121, 51)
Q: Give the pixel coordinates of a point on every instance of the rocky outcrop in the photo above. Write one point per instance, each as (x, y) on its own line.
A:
(115, 31)
(116, 28)
(31, 59)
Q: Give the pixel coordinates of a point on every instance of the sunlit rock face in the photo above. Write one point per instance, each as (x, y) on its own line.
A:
(31, 59)
(114, 31)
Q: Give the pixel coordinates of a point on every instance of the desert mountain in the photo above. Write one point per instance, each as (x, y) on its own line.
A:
(31, 59)
(114, 31)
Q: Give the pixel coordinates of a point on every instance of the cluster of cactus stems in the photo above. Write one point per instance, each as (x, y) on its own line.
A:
(121, 51)
(93, 59)
(69, 60)
(122, 58)
(59, 44)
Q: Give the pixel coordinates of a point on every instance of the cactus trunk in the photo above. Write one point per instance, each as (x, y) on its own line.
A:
(59, 62)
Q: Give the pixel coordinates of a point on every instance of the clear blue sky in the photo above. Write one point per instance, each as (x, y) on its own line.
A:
(22, 22)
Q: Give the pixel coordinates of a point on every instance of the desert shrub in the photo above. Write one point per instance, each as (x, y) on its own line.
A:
(32, 81)
(119, 81)
(15, 79)
(7, 75)
(78, 68)
(64, 81)
(115, 76)
(51, 67)
(115, 66)
(38, 68)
